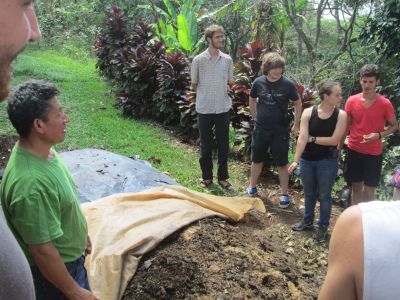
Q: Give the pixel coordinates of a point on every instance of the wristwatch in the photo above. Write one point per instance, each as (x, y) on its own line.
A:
(311, 139)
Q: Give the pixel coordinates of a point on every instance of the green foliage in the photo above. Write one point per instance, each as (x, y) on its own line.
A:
(177, 23)
(391, 160)
(150, 82)
(383, 29)
(183, 33)
(64, 20)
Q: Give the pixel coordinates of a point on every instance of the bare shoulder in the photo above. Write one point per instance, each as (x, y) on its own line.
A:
(344, 279)
(342, 113)
(348, 224)
(342, 117)
(307, 113)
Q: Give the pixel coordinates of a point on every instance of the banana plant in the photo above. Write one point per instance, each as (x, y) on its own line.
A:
(177, 23)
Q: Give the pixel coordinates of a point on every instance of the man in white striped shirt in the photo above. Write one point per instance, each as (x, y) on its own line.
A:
(212, 71)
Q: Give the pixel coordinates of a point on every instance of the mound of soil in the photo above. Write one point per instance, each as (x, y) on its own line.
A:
(258, 258)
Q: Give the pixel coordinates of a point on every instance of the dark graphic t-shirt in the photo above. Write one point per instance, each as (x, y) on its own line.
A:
(269, 115)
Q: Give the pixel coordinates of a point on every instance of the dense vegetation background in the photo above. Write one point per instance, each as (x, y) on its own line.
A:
(144, 49)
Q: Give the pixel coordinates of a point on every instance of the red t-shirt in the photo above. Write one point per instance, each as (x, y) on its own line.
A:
(367, 120)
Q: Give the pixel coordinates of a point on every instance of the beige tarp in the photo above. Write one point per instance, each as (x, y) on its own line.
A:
(123, 227)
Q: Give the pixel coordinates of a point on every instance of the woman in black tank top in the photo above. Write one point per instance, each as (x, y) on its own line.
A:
(321, 129)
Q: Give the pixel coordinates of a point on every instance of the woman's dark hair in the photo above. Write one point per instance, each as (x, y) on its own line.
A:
(326, 88)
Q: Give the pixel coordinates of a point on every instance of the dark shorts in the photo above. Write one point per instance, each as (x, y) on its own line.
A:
(363, 168)
(47, 291)
(276, 142)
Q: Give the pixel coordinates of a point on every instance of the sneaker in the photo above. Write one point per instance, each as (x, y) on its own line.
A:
(302, 225)
(284, 201)
(322, 233)
(251, 192)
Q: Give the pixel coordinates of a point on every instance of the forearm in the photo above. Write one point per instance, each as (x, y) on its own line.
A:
(327, 140)
(300, 146)
(297, 113)
(346, 132)
(341, 142)
(390, 130)
(253, 108)
(50, 264)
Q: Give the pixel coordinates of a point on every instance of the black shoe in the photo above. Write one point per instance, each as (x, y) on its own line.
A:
(302, 225)
(322, 233)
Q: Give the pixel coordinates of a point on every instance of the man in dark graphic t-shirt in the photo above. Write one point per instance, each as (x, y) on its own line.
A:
(269, 99)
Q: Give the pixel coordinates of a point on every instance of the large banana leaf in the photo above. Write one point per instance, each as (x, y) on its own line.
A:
(183, 33)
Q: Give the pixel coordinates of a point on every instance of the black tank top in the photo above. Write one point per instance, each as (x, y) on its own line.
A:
(320, 127)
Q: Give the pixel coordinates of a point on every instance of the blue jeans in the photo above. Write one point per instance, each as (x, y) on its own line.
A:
(317, 178)
(47, 291)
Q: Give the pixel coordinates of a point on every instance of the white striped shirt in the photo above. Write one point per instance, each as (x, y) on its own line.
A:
(212, 77)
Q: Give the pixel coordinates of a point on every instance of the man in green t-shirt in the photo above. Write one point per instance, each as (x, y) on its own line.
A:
(39, 199)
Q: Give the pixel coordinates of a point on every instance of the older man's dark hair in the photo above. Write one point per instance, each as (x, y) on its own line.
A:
(29, 101)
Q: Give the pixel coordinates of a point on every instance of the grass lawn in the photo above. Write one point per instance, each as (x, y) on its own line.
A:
(94, 123)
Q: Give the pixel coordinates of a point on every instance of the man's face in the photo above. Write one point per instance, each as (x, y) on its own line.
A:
(217, 40)
(275, 73)
(53, 130)
(369, 84)
(18, 26)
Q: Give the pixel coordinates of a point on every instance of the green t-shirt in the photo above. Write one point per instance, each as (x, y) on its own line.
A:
(41, 205)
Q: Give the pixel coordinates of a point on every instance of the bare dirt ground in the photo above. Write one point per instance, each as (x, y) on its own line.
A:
(259, 257)
(6, 145)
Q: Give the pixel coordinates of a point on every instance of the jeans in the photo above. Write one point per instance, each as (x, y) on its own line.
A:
(317, 178)
(206, 124)
(47, 291)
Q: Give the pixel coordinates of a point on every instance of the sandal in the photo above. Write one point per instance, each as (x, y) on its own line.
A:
(226, 185)
(205, 183)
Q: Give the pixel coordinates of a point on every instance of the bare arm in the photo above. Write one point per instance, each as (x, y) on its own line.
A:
(346, 132)
(344, 279)
(302, 140)
(50, 264)
(253, 107)
(297, 115)
(337, 135)
(393, 126)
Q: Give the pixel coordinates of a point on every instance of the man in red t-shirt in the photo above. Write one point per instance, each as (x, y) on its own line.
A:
(368, 112)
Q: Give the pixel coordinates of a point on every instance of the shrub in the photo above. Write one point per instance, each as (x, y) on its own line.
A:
(188, 119)
(173, 80)
(110, 43)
